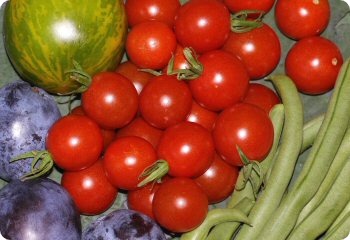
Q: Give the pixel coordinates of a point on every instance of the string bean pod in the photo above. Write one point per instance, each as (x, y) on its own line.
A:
(318, 162)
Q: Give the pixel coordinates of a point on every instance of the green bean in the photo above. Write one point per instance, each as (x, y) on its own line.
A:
(310, 131)
(341, 217)
(338, 163)
(282, 170)
(215, 216)
(341, 230)
(277, 118)
(326, 211)
(317, 163)
(225, 230)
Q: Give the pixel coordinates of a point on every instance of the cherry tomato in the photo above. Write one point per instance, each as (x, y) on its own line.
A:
(141, 199)
(245, 126)
(133, 73)
(111, 100)
(202, 116)
(140, 128)
(188, 148)
(251, 47)
(74, 142)
(224, 80)
(203, 25)
(261, 96)
(90, 189)
(313, 64)
(138, 11)
(180, 205)
(238, 5)
(107, 134)
(165, 101)
(125, 160)
(219, 181)
(151, 44)
(302, 18)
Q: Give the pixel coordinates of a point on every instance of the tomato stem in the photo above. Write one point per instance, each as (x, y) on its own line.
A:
(249, 167)
(44, 167)
(195, 67)
(79, 75)
(242, 22)
(154, 172)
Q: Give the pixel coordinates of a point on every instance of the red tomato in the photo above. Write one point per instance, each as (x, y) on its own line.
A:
(107, 134)
(224, 80)
(313, 64)
(188, 148)
(302, 18)
(202, 116)
(125, 160)
(133, 73)
(138, 11)
(111, 100)
(151, 44)
(90, 189)
(75, 142)
(245, 126)
(180, 205)
(219, 181)
(141, 199)
(238, 5)
(203, 25)
(165, 101)
(251, 47)
(140, 128)
(261, 96)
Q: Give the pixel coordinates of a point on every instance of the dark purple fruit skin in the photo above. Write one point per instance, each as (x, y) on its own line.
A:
(123, 224)
(39, 209)
(26, 114)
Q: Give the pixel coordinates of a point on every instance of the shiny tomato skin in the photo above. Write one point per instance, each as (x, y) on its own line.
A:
(298, 19)
(180, 205)
(261, 96)
(125, 160)
(246, 126)
(150, 45)
(238, 5)
(188, 148)
(202, 116)
(74, 142)
(133, 73)
(251, 48)
(223, 82)
(313, 64)
(165, 101)
(138, 11)
(111, 100)
(90, 189)
(140, 128)
(203, 25)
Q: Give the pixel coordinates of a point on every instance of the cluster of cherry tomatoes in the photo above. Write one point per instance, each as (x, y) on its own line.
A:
(180, 120)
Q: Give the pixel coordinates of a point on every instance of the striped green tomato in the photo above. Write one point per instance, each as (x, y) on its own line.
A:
(44, 38)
